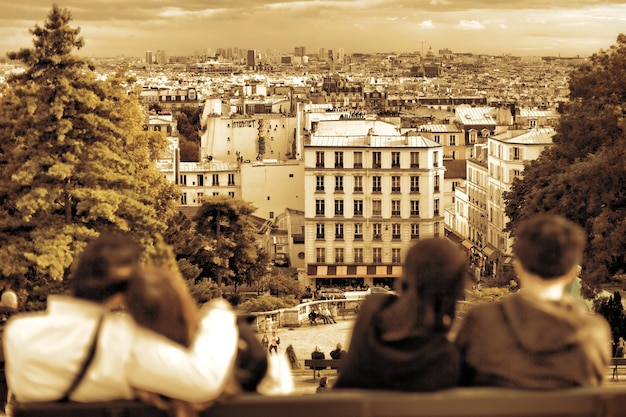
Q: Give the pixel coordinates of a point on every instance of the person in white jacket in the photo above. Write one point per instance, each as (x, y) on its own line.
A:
(44, 351)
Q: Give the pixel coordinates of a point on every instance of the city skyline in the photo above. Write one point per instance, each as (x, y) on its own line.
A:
(532, 27)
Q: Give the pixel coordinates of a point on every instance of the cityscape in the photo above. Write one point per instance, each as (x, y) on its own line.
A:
(351, 158)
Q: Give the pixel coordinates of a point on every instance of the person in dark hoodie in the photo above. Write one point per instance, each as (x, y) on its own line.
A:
(540, 337)
(400, 342)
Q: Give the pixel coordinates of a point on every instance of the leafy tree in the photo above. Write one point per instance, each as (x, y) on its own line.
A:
(612, 310)
(74, 161)
(188, 126)
(231, 248)
(582, 176)
(267, 303)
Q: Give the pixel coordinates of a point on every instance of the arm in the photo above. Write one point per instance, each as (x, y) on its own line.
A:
(197, 374)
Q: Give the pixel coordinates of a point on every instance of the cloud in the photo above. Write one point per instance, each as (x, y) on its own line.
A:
(427, 25)
(470, 25)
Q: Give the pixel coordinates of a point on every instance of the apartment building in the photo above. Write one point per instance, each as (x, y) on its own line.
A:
(370, 192)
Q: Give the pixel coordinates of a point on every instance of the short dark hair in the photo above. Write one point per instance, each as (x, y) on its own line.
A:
(437, 270)
(549, 246)
(104, 267)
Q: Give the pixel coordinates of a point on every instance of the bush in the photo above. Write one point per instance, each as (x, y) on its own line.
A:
(267, 303)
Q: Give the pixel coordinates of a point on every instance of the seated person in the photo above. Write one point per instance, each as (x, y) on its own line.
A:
(405, 336)
(328, 315)
(8, 306)
(317, 354)
(539, 337)
(45, 351)
(338, 352)
(313, 317)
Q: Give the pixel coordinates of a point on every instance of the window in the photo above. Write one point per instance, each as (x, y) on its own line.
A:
(231, 194)
(395, 207)
(183, 198)
(516, 153)
(395, 183)
(415, 231)
(358, 231)
(231, 179)
(216, 193)
(338, 230)
(377, 255)
(319, 231)
(358, 255)
(319, 159)
(216, 179)
(452, 140)
(395, 256)
(376, 160)
(358, 184)
(358, 160)
(436, 211)
(435, 159)
(338, 207)
(319, 183)
(395, 159)
(358, 207)
(200, 197)
(338, 159)
(377, 207)
(320, 255)
(436, 229)
(183, 179)
(377, 230)
(415, 184)
(200, 180)
(436, 180)
(338, 183)
(415, 159)
(415, 207)
(376, 184)
(338, 255)
(319, 207)
(395, 231)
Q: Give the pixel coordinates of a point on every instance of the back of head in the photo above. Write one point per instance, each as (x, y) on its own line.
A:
(160, 301)
(103, 268)
(435, 271)
(9, 299)
(549, 246)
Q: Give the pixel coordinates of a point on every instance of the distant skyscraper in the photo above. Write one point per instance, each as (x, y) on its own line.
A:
(149, 58)
(320, 53)
(341, 55)
(252, 58)
(299, 51)
(161, 58)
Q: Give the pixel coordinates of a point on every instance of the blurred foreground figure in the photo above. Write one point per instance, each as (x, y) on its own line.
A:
(539, 337)
(79, 350)
(400, 342)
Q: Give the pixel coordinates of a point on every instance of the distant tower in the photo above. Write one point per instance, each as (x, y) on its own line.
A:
(252, 58)
(160, 57)
(149, 58)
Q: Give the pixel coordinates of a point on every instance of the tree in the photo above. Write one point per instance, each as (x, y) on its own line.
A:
(188, 126)
(74, 160)
(231, 248)
(582, 176)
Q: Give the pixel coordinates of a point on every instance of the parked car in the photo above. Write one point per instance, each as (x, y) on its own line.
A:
(331, 294)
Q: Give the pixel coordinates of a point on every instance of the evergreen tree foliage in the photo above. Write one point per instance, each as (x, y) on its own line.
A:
(231, 251)
(74, 160)
(583, 176)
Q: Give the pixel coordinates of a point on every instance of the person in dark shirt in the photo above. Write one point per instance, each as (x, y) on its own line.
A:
(338, 352)
(317, 354)
(400, 342)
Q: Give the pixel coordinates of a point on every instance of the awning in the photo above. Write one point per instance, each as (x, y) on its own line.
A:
(490, 252)
(467, 244)
(354, 271)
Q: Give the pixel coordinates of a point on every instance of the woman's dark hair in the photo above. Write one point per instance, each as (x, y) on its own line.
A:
(549, 246)
(435, 270)
(103, 268)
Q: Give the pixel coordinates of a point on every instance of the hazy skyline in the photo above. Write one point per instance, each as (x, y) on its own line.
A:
(131, 27)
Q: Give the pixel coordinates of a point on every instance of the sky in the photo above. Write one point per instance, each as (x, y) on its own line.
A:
(516, 27)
